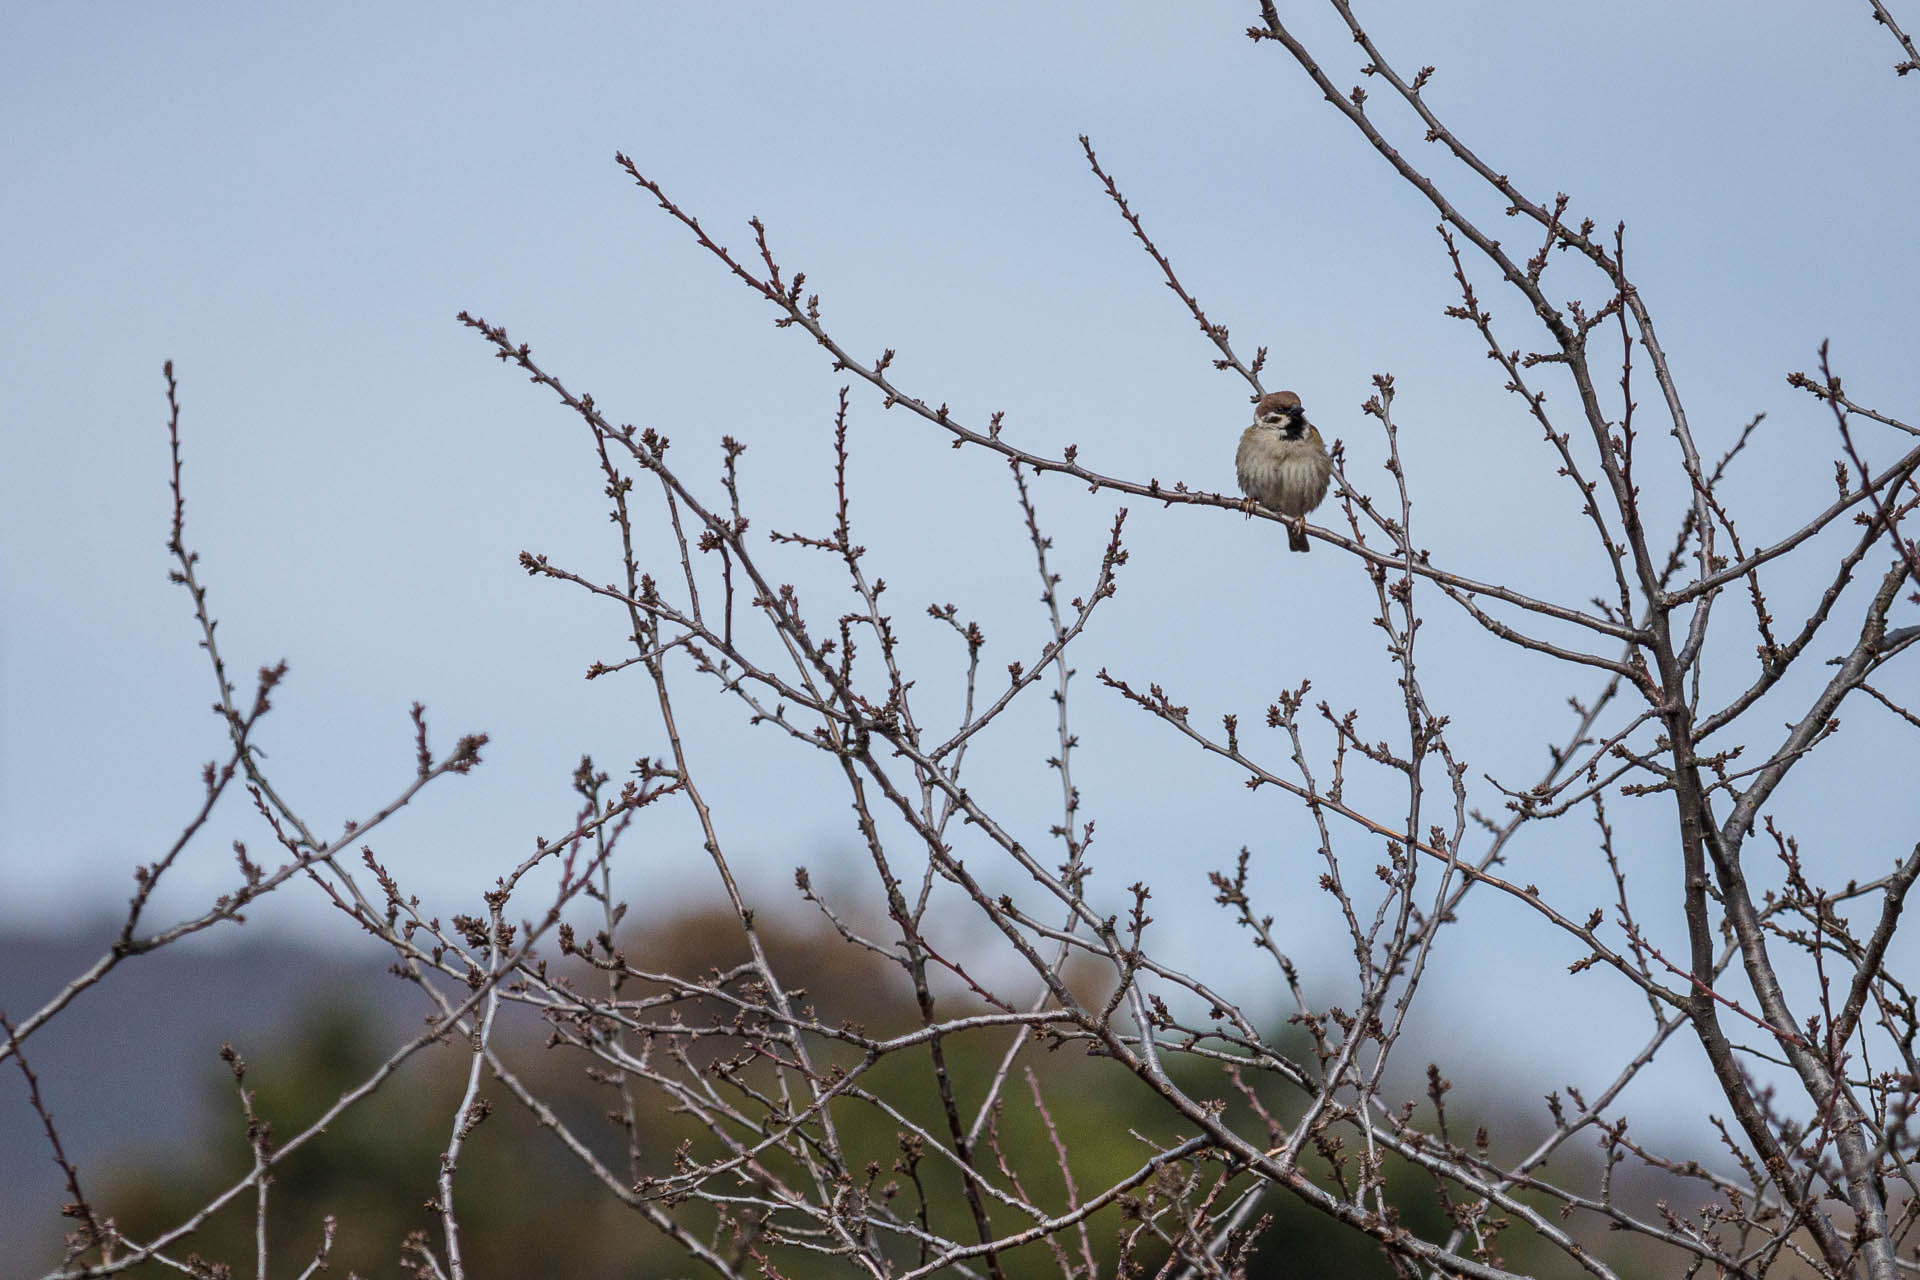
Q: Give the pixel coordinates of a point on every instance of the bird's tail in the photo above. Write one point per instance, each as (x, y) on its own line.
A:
(1297, 539)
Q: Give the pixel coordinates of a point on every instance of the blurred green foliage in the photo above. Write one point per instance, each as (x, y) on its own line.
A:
(528, 1208)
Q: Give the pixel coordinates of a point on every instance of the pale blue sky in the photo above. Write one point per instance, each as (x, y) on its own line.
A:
(293, 206)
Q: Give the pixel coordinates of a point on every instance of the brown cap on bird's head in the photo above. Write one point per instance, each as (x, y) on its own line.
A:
(1274, 401)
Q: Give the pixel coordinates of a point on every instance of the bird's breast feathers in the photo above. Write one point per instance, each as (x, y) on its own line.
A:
(1289, 476)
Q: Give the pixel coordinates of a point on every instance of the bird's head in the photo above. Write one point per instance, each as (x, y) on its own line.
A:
(1281, 410)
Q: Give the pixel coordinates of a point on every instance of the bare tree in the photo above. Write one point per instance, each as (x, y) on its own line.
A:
(1814, 1174)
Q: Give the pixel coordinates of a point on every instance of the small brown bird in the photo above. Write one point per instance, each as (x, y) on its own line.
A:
(1283, 463)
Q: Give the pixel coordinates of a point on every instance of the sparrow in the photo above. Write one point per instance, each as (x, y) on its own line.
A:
(1283, 463)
